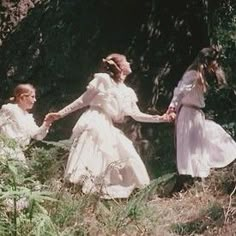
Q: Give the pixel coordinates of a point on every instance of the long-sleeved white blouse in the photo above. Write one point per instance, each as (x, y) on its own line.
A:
(20, 125)
(189, 91)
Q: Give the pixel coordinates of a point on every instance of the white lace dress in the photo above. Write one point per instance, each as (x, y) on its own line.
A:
(201, 144)
(102, 159)
(20, 126)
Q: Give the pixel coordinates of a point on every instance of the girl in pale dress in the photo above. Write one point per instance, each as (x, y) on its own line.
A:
(201, 144)
(18, 124)
(102, 159)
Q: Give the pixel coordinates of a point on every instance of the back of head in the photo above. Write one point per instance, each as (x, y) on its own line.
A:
(204, 60)
(209, 54)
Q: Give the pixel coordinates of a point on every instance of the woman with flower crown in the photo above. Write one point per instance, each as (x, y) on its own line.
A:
(102, 159)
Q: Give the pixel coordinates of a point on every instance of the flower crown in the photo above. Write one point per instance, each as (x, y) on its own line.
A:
(111, 63)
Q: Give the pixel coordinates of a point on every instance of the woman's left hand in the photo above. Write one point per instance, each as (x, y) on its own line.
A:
(166, 117)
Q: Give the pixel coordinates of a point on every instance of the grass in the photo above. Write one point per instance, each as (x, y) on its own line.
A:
(59, 209)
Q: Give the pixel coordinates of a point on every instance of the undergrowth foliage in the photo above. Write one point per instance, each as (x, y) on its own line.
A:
(36, 201)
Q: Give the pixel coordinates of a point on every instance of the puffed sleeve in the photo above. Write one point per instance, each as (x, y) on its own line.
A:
(4, 115)
(99, 83)
(8, 115)
(185, 85)
(133, 110)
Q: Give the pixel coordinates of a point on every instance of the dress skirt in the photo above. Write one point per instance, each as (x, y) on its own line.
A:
(102, 159)
(201, 144)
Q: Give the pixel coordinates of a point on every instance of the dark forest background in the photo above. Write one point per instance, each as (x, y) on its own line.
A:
(57, 46)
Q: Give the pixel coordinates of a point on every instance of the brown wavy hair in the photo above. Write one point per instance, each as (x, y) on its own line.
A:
(19, 90)
(204, 59)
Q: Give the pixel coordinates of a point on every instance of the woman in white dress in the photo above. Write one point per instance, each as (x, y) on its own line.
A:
(102, 159)
(18, 124)
(201, 144)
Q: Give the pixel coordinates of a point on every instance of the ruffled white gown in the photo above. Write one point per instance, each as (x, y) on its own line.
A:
(20, 126)
(201, 144)
(102, 159)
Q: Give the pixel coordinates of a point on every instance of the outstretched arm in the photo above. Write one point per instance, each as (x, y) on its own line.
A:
(79, 103)
(147, 118)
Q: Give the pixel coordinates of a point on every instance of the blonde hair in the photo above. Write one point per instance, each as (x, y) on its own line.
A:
(20, 90)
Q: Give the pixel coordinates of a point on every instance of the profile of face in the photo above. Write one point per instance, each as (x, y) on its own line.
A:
(27, 99)
(126, 68)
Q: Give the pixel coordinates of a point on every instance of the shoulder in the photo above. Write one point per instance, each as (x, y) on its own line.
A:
(131, 93)
(10, 107)
(129, 90)
(102, 76)
(100, 81)
(190, 75)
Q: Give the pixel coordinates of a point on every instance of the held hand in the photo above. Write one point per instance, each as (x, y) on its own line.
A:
(172, 116)
(171, 112)
(51, 117)
(163, 118)
(166, 118)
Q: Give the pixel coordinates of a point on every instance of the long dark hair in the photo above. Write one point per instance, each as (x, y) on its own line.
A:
(204, 59)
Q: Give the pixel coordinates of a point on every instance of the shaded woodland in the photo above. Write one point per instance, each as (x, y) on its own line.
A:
(57, 45)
